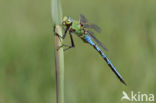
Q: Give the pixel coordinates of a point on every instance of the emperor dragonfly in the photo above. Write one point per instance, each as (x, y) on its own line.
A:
(80, 28)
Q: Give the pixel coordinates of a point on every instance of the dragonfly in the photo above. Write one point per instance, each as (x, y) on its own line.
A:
(82, 28)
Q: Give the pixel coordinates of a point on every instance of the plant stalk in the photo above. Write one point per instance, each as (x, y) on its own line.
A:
(59, 54)
(59, 63)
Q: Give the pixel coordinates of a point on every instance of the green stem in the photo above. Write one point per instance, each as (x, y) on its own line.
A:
(59, 62)
(59, 54)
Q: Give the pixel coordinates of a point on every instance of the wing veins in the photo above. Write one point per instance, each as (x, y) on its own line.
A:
(85, 23)
(96, 40)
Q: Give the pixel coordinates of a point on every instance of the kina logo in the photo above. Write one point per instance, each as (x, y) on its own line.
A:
(138, 96)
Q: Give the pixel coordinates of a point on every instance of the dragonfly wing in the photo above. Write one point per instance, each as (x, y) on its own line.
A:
(96, 40)
(83, 19)
(93, 26)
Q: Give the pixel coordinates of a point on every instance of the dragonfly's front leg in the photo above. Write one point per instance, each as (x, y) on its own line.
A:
(68, 47)
(54, 30)
(72, 42)
(64, 35)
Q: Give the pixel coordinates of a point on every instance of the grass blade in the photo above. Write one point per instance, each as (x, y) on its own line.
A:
(59, 54)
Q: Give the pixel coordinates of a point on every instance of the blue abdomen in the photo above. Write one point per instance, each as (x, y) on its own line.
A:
(88, 40)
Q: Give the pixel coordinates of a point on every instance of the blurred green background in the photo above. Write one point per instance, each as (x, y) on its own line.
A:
(27, 70)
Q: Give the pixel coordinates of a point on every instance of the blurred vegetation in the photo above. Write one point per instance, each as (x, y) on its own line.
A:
(27, 70)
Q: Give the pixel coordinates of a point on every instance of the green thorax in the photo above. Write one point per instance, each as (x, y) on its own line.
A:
(77, 28)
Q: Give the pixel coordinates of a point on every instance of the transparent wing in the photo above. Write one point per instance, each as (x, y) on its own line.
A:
(93, 26)
(96, 40)
(83, 19)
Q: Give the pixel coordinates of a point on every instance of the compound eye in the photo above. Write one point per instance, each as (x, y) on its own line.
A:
(68, 21)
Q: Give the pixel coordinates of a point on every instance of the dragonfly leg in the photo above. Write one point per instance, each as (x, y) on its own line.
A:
(56, 33)
(64, 35)
(63, 45)
(68, 47)
(72, 42)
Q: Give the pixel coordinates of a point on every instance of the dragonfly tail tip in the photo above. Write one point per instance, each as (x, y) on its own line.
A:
(124, 82)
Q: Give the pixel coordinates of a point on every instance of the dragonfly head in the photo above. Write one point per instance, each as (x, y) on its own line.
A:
(67, 21)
